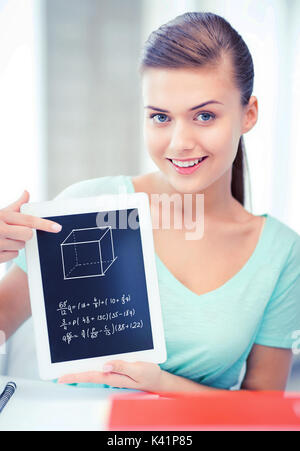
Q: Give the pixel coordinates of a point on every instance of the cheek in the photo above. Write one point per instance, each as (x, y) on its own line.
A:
(156, 141)
(222, 140)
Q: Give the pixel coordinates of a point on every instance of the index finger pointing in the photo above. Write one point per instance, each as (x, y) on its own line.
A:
(34, 222)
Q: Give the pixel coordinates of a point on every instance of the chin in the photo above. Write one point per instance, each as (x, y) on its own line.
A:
(187, 186)
(182, 184)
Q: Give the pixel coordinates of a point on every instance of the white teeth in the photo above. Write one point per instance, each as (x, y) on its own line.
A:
(185, 164)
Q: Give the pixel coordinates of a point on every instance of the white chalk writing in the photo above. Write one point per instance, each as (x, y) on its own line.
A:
(79, 323)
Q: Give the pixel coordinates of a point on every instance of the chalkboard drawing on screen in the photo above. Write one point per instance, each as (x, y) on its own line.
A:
(87, 252)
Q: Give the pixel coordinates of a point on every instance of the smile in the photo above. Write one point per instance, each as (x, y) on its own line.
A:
(187, 167)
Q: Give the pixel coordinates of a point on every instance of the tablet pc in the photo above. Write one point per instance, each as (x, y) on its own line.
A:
(93, 286)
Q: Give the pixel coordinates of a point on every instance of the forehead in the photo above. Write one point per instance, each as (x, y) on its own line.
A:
(188, 87)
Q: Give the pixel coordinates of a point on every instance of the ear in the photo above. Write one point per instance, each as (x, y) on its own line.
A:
(250, 115)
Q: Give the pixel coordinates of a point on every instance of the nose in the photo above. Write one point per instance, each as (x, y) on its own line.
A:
(182, 138)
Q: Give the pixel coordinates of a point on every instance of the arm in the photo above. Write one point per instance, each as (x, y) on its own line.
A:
(172, 383)
(14, 300)
(15, 230)
(267, 369)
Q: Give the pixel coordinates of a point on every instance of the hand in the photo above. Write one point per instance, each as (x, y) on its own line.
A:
(15, 228)
(118, 373)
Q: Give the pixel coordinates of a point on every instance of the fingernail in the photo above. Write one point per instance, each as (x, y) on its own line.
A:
(107, 368)
(56, 227)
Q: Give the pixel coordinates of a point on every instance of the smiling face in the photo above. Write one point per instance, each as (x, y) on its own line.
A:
(177, 127)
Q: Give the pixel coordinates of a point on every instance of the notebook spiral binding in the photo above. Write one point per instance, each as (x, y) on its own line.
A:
(7, 393)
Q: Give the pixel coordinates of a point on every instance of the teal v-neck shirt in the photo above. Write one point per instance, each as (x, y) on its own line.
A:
(209, 336)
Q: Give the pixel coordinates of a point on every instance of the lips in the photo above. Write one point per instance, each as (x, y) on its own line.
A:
(188, 169)
(187, 159)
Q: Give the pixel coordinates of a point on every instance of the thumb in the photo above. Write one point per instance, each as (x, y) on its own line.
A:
(15, 206)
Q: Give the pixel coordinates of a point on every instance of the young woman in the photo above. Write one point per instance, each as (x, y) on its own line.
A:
(230, 299)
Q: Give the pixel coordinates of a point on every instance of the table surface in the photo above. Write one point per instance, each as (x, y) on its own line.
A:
(39, 405)
(45, 406)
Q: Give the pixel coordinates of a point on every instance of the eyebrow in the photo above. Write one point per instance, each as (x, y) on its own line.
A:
(191, 109)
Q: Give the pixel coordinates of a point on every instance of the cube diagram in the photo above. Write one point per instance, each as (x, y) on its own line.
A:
(87, 252)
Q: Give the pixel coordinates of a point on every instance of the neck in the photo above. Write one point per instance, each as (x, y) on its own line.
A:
(219, 204)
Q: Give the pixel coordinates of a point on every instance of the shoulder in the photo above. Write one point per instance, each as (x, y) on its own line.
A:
(284, 238)
(145, 183)
(280, 273)
(96, 186)
(283, 251)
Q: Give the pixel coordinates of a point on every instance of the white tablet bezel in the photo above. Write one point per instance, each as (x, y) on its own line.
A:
(106, 202)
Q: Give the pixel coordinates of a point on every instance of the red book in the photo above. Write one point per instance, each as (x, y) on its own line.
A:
(222, 410)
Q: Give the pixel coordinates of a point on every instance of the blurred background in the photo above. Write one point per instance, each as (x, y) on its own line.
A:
(70, 97)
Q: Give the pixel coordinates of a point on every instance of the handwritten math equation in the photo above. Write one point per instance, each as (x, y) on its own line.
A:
(77, 324)
(64, 307)
(92, 332)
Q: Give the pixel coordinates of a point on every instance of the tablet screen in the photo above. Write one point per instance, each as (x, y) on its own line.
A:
(94, 286)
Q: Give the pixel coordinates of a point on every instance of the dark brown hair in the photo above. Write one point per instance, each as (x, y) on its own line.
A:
(197, 39)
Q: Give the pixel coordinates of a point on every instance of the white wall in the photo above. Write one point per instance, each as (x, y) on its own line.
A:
(21, 102)
(92, 96)
(293, 116)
